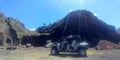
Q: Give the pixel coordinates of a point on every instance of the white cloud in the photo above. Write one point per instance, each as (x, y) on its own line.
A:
(70, 10)
(33, 29)
(95, 14)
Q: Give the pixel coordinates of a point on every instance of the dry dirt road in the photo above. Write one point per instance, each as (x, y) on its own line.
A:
(41, 53)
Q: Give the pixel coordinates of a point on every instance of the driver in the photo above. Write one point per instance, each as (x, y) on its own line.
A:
(74, 42)
(64, 44)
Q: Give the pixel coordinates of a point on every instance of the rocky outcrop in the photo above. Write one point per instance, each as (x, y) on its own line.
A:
(104, 44)
(12, 31)
(85, 24)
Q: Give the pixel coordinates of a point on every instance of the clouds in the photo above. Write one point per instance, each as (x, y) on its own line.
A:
(70, 10)
(95, 14)
(33, 29)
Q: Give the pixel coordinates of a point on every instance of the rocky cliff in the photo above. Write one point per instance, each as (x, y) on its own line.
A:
(12, 31)
(85, 24)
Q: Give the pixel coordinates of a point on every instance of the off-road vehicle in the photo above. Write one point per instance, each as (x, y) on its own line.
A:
(70, 44)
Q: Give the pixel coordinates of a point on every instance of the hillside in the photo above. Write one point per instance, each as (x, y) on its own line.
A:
(85, 24)
(12, 31)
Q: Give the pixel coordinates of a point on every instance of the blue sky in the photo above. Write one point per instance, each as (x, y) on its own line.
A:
(33, 13)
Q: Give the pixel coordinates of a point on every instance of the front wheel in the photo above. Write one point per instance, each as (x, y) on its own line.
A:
(54, 51)
(82, 52)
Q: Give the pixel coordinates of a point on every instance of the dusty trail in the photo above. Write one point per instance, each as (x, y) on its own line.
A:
(40, 53)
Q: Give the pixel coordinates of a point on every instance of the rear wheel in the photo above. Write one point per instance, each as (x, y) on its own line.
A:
(54, 51)
(82, 52)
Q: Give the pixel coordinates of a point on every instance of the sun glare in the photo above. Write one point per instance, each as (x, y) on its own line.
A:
(72, 2)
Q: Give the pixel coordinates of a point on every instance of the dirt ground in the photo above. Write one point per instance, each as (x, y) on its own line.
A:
(41, 53)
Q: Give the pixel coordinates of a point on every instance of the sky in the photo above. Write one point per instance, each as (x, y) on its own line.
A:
(35, 13)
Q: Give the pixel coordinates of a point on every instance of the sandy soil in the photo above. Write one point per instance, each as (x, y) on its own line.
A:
(41, 53)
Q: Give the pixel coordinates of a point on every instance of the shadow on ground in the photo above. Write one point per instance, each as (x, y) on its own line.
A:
(69, 55)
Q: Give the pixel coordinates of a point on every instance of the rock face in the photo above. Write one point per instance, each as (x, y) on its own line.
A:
(85, 24)
(12, 31)
(104, 44)
(7, 32)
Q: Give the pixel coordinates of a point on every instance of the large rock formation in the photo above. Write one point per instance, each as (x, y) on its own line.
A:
(12, 31)
(7, 32)
(85, 24)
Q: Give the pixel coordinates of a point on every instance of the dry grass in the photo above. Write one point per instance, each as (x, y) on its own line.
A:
(94, 52)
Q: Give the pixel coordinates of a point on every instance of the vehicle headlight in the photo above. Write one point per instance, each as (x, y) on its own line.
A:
(83, 43)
